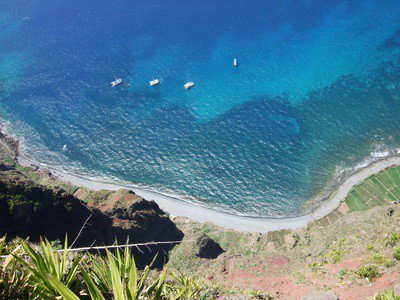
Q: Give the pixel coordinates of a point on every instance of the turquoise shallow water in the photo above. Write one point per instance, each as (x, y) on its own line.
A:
(316, 92)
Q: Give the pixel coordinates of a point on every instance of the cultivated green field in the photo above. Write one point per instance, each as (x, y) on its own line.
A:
(380, 189)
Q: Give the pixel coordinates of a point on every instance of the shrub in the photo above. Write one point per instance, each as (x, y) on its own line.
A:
(368, 271)
(317, 265)
(13, 280)
(387, 295)
(258, 295)
(342, 273)
(336, 255)
(393, 239)
(389, 263)
(396, 253)
(379, 258)
(46, 273)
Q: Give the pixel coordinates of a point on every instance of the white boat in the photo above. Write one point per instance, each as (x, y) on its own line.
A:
(116, 82)
(188, 85)
(235, 63)
(154, 82)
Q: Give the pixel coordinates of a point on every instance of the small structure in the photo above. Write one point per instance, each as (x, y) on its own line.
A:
(116, 82)
(154, 82)
(189, 85)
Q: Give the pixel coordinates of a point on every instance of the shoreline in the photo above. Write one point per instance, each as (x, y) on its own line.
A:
(194, 212)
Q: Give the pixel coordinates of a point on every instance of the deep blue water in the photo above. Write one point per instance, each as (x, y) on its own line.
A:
(317, 91)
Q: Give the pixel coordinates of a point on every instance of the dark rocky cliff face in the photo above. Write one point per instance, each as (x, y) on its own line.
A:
(31, 210)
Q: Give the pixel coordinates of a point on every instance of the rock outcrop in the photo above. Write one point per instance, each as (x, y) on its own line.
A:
(206, 247)
(31, 210)
(130, 211)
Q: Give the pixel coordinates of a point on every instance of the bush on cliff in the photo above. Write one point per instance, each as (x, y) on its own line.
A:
(45, 273)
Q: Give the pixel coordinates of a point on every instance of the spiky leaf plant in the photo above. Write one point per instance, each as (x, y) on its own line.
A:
(387, 295)
(13, 279)
(51, 274)
(116, 276)
(46, 273)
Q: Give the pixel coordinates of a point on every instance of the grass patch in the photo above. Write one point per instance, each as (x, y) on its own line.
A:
(24, 169)
(73, 189)
(206, 228)
(8, 160)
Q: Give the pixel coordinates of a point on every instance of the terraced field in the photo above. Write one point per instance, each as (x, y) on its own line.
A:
(380, 189)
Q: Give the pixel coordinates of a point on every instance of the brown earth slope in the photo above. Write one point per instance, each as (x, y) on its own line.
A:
(29, 209)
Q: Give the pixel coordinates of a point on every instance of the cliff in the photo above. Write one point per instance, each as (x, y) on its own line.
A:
(29, 209)
(353, 252)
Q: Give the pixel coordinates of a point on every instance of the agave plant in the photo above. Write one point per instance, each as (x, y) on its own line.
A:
(187, 288)
(387, 295)
(13, 280)
(116, 277)
(50, 273)
(46, 273)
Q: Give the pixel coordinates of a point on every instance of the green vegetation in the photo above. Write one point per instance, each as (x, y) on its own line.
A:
(379, 189)
(9, 160)
(251, 260)
(379, 258)
(387, 295)
(389, 263)
(368, 271)
(393, 239)
(342, 273)
(337, 253)
(396, 253)
(259, 295)
(45, 273)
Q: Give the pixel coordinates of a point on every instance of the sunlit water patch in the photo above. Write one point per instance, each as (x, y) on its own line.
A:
(317, 91)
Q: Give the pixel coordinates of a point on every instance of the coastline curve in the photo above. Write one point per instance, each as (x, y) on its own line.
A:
(179, 207)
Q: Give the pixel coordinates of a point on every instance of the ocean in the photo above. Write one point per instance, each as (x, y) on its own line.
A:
(316, 93)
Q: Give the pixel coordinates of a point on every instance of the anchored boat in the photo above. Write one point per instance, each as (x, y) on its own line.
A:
(235, 63)
(188, 85)
(154, 82)
(116, 82)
